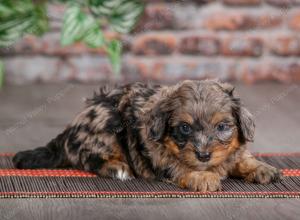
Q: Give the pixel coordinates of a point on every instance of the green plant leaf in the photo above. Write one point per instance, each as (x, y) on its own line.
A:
(12, 30)
(114, 50)
(30, 17)
(72, 25)
(79, 26)
(19, 18)
(94, 37)
(41, 22)
(122, 15)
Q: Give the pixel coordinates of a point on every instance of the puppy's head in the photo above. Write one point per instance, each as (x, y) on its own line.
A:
(202, 122)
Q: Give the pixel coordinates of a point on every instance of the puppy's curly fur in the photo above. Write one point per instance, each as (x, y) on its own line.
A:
(192, 134)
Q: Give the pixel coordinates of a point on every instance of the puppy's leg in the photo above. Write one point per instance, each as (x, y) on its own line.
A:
(93, 144)
(204, 181)
(255, 171)
(105, 166)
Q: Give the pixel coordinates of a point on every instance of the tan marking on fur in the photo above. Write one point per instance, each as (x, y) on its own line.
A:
(219, 116)
(246, 165)
(117, 153)
(171, 146)
(188, 157)
(182, 117)
(221, 153)
(253, 170)
(201, 181)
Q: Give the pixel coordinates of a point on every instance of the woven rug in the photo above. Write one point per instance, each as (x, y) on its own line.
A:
(69, 183)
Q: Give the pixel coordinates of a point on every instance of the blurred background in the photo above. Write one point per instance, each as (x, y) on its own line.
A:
(67, 49)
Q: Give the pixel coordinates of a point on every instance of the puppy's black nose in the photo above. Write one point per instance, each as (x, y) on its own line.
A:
(204, 156)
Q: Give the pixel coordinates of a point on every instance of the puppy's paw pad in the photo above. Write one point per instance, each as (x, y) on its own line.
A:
(265, 175)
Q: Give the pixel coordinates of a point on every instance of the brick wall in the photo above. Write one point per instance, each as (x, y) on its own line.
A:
(243, 40)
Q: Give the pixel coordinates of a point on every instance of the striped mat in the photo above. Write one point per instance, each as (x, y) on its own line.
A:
(70, 183)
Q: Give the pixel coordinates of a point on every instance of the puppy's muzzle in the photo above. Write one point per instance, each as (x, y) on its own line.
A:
(201, 143)
(203, 156)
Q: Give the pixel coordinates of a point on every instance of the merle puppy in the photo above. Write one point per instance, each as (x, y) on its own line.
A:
(192, 134)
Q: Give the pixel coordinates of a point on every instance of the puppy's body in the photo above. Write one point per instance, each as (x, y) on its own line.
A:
(192, 134)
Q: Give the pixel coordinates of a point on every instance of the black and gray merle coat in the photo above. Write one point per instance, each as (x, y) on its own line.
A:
(193, 134)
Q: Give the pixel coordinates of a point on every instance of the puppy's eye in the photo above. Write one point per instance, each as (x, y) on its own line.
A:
(185, 129)
(223, 127)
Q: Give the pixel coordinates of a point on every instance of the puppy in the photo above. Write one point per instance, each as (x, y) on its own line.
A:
(192, 134)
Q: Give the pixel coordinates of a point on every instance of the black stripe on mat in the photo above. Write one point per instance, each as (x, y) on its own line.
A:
(96, 184)
(282, 162)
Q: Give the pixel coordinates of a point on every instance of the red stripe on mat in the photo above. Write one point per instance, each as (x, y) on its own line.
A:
(79, 173)
(293, 154)
(291, 172)
(6, 154)
(45, 172)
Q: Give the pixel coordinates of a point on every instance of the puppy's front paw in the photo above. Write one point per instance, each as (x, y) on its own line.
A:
(264, 174)
(202, 181)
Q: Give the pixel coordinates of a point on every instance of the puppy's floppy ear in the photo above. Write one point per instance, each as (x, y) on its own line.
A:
(247, 125)
(157, 121)
(244, 118)
(158, 117)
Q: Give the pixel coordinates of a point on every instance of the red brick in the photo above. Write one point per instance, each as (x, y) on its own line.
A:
(186, 1)
(285, 46)
(154, 44)
(27, 45)
(294, 71)
(180, 68)
(50, 45)
(268, 21)
(200, 1)
(134, 69)
(240, 21)
(227, 21)
(55, 14)
(161, 16)
(270, 70)
(55, 69)
(97, 68)
(37, 69)
(156, 17)
(242, 2)
(217, 51)
(239, 46)
(294, 22)
(281, 3)
(91, 68)
(204, 45)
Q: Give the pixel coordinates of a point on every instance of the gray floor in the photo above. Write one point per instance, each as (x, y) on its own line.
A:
(156, 209)
(32, 115)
